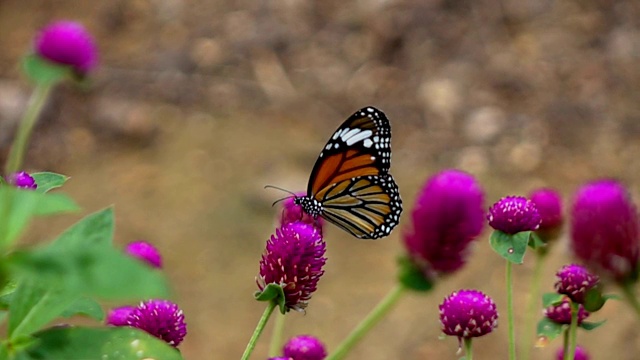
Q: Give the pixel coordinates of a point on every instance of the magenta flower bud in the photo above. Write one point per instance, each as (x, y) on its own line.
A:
(22, 180)
(291, 212)
(467, 314)
(561, 313)
(447, 216)
(514, 214)
(293, 259)
(549, 205)
(160, 318)
(67, 43)
(604, 229)
(145, 252)
(304, 347)
(574, 281)
(118, 316)
(581, 354)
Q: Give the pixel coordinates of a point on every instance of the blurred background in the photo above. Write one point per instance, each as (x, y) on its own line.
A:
(198, 104)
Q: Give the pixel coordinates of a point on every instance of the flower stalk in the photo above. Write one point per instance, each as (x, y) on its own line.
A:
(276, 336)
(629, 295)
(573, 332)
(532, 306)
(382, 309)
(510, 315)
(271, 305)
(468, 349)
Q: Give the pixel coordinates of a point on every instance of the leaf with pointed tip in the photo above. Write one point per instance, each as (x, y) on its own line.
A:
(273, 292)
(510, 246)
(593, 299)
(588, 325)
(84, 306)
(411, 277)
(550, 299)
(48, 181)
(44, 72)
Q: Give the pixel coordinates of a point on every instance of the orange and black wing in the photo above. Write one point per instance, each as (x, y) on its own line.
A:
(360, 147)
(368, 207)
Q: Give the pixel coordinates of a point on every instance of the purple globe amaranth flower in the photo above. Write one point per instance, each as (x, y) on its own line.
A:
(549, 205)
(291, 212)
(118, 316)
(22, 180)
(447, 217)
(145, 252)
(514, 214)
(304, 347)
(160, 318)
(580, 354)
(575, 281)
(467, 314)
(561, 313)
(604, 229)
(293, 259)
(67, 43)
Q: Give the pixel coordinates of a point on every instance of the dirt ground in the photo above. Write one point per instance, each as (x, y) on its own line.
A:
(199, 104)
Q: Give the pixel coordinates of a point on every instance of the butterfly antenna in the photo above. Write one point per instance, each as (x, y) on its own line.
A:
(281, 189)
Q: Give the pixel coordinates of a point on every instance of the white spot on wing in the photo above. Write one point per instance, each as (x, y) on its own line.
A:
(349, 134)
(359, 136)
(367, 143)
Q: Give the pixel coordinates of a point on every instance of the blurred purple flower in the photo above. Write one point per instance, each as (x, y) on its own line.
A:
(280, 358)
(549, 205)
(514, 214)
(581, 354)
(22, 180)
(447, 216)
(68, 43)
(467, 314)
(118, 316)
(304, 347)
(291, 212)
(160, 318)
(604, 229)
(574, 281)
(293, 259)
(146, 252)
(561, 313)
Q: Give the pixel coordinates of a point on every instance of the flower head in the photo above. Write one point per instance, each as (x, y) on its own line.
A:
(561, 313)
(574, 281)
(581, 354)
(293, 259)
(67, 43)
(22, 180)
(160, 318)
(468, 313)
(549, 205)
(292, 212)
(604, 229)
(513, 214)
(145, 252)
(118, 316)
(447, 217)
(304, 347)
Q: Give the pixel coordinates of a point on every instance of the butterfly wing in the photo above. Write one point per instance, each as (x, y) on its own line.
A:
(368, 207)
(360, 147)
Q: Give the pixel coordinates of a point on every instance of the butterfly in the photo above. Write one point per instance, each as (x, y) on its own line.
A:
(350, 185)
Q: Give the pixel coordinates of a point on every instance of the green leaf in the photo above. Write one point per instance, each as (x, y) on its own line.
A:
(85, 306)
(412, 277)
(94, 231)
(536, 242)
(114, 343)
(7, 294)
(549, 330)
(18, 206)
(593, 300)
(510, 246)
(48, 181)
(34, 306)
(44, 72)
(550, 299)
(588, 325)
(273, 292)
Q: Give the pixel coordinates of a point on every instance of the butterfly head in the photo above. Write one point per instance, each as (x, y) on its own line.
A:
(309, 205)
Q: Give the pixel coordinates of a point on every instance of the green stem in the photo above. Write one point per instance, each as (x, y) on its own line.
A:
(259, 328)
(276, 337)
(368, 323)
(467, 349)
(510, 320)
(29, 119)
(627, 290)
(565, 343)
(573, 331)
(532, 308)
